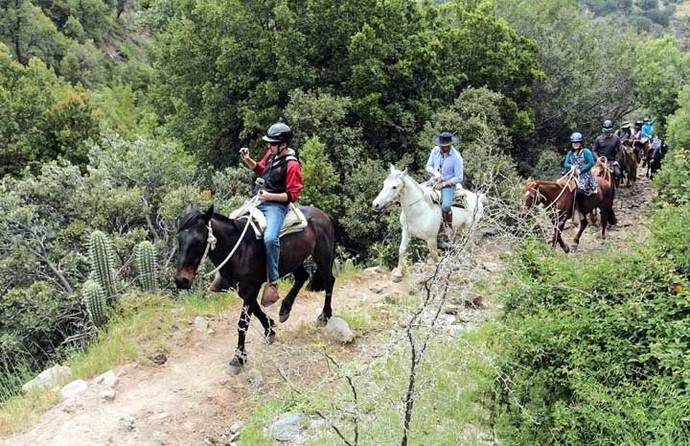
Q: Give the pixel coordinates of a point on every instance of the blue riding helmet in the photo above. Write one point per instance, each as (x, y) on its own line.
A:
(576, 137)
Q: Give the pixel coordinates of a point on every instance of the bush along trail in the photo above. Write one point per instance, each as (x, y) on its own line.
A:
(156, 376)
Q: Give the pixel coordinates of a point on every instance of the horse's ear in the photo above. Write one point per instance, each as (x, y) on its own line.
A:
(209, 213)
(404, 172)
(392, 167)
(188, 209)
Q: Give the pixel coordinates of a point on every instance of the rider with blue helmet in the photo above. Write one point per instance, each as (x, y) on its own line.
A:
(580, 160)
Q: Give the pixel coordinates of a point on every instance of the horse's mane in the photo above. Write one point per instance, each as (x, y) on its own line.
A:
(194, 214)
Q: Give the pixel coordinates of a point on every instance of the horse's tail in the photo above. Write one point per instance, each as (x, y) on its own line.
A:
(316, 282)
(611, 217)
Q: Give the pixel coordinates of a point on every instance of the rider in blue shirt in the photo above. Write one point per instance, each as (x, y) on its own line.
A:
(648, 127)
(446, 165)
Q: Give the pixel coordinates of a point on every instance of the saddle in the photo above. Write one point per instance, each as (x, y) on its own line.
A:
(435, 195)
(295, 221)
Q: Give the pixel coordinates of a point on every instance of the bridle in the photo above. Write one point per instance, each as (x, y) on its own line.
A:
(211, 241)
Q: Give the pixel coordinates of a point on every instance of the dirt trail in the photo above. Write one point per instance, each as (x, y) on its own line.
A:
(632, 206)
(190, 400)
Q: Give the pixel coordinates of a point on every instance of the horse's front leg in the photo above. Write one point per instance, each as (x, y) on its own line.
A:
(560, 224)
(404, 243)
(240, 357)
(432, 244)
(248, 293)
(583, 225)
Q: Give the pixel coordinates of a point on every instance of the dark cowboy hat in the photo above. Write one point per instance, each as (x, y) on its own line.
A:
(444, 139)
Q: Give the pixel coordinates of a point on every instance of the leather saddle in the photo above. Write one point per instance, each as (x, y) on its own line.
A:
(295, 221)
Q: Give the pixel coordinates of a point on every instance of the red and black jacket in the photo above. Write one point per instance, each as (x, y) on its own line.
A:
(281, 174)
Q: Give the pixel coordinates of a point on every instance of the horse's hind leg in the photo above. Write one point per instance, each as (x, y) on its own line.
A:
(301, 275)
(323, 279)
(404, 242)
(266, 322)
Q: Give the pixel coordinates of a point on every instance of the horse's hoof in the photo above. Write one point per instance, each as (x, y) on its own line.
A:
(322, 320)
(233, 370)
(396, 278)
(574, 247)
(271, 337)
(236, 364)
(283, 317)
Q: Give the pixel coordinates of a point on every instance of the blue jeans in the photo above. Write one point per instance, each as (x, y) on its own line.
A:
(447, 196)
(275, 215)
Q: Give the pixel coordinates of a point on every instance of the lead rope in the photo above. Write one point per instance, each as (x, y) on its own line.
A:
(211, 240)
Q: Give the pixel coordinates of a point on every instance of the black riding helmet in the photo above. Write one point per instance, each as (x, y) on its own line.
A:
(607, 127)
(278, 132)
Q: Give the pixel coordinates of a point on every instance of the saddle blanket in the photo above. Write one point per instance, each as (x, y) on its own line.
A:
(295, 221)
(435, 194)
(573, 184)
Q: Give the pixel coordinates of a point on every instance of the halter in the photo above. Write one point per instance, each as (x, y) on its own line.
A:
(211, 242)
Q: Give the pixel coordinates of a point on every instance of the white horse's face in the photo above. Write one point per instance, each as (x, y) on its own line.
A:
(392, 186)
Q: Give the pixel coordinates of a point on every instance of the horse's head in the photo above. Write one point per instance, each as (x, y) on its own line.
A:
(192, 237)
(531, 195)
(392, 186)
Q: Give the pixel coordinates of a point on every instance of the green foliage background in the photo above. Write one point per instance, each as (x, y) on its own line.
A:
(115, 114)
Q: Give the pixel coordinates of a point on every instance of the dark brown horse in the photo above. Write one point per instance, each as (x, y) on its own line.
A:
(246, 269)
(628, 162)
(560, 196)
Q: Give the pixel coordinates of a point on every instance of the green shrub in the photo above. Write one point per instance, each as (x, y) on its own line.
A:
(673, 180)
(596, 349)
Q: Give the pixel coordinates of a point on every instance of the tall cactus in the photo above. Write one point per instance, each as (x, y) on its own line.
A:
(103, 262)
(145, 259)
(94, 299)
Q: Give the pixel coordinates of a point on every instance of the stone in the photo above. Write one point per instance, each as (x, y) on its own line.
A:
(108, 378)
(201, 324)
(108, 395)
(49, 378)
(489, 231)
(338, 330)
(288, 426)
(159, 416)
(373, 270)
(491, 267)
(129, 422)
(236, 427)
(74, 388)
(159, 359)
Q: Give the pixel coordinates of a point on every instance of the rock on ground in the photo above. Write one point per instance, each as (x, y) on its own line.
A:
(108, 378)
(338, 330)
(73, 388)
(48, 378)
(288, 426)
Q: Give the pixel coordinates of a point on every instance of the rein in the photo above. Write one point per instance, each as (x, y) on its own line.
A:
(565, 186)
(211, 241)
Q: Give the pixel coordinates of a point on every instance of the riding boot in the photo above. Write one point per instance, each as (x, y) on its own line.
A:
(270, 295)
(448, 223)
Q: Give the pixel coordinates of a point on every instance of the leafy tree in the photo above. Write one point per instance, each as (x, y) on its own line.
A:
(661, 69)
(43, 118)
(320, 178)
(226, 69)
(678, 128)
(588, 67)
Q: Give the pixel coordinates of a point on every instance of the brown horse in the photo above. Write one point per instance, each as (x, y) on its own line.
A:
(561, 196)
(246, 268)
(628, 162)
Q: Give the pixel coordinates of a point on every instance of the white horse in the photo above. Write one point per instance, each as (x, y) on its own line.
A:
(420, 216)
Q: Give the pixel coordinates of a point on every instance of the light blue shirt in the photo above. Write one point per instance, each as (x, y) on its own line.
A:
(450, 165)
(648, 129)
